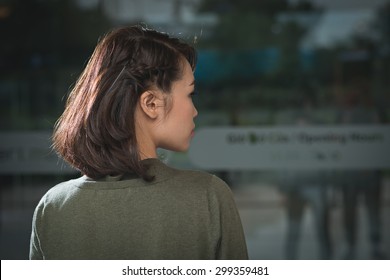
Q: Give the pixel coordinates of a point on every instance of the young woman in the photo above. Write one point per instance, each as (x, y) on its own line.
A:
(134, 96)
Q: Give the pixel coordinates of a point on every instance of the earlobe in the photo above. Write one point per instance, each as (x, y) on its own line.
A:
(149, 103)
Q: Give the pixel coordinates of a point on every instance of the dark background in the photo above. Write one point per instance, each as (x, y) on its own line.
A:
(258, 61)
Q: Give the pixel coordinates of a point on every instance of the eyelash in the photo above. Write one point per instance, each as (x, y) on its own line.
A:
(193, 93)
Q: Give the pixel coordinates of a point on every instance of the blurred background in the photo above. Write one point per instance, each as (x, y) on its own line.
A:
(284, 64)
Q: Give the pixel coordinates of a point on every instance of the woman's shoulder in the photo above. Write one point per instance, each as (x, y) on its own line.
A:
(201, 179)
(203, 175)
(62, 190)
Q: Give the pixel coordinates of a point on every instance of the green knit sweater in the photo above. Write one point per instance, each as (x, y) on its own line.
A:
(180, 215)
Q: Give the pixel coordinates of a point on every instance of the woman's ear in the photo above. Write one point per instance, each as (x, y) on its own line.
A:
(150, 101)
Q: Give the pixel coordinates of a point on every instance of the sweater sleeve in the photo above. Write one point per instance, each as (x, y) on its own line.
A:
(35, 246)
(231, 245)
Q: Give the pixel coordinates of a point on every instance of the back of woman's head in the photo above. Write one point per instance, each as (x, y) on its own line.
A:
(96, 132)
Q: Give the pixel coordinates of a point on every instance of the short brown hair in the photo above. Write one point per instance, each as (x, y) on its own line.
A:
(96, 132)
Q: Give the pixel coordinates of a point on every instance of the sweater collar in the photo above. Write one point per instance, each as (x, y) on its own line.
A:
(156, 168)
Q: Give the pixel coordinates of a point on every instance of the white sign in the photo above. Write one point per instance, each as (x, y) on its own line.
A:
(292, 147)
